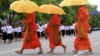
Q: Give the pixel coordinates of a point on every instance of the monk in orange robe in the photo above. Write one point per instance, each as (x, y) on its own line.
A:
(31, 40)
(82, 41)
(52, 30)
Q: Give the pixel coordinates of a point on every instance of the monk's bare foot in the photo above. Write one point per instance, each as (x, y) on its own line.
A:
(64, 47)
(89, 52)
(19, 51)
(40, 52)
(50, 52)
(75, 51)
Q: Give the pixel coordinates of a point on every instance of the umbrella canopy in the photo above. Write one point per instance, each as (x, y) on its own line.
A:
(51, 9)
(24, 6)
(73, 2)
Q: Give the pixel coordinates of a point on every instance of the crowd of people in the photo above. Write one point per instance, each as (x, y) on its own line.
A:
(64, 30)
(9, 33)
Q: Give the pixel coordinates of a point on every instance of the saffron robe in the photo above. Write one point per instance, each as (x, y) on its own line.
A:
(53, 35)
(83, 17)
(34, 42)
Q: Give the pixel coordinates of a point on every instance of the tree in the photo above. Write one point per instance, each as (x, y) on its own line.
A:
(66, 19)
(5, 4)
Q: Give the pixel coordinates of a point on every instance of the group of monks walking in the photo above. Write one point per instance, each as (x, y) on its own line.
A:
(31, 40)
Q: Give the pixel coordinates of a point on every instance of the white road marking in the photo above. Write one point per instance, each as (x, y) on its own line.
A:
(8, 51)
(78, 54)
(96, 43)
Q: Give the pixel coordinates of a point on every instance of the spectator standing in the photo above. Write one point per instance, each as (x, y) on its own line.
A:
(9, 33)
(4, 33)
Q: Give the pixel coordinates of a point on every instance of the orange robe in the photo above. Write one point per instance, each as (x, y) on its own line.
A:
(54, 20)
(82, 43)
(34, 43)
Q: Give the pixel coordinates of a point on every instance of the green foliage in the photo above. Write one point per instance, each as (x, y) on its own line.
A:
(39, 17)
(5, 4)
(3, 16)
(66, 19)
(95, 20)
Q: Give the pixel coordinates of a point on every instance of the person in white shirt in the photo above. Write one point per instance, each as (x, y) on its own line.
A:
(73, 29)
(69, 30)
(66, 30)
(40, 30)
(38, 33)
(19, 31)
(62, 28)
(9, 33)
(4, 33)
(15, 33)
(44, 26)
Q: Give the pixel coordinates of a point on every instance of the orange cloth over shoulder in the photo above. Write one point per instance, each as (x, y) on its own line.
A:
(83, 17)
(54, 21)
(34, 42)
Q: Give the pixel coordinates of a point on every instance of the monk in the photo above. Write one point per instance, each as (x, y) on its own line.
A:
(31, 40)
(82, 41)
(52, 30)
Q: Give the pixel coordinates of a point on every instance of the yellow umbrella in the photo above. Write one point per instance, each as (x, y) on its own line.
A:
(51, 9)
(73, 2)
(24, 6)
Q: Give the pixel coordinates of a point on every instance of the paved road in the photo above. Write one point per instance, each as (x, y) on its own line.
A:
(9, 49)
